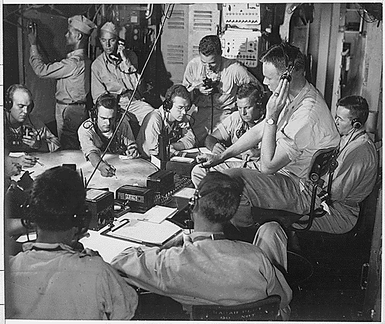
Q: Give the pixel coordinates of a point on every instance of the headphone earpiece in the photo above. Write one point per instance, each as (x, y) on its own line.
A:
(93, 113)
(167, 104)
(193, 200)
(356, 123)
(8, 101)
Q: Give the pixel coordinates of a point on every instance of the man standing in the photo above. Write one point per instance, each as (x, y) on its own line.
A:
(23, 132)
(169, 121)
(96, 132)
(205, 268)
(115, 71)
(213, 81)
(356, 171)
(55, 278)
(72, 75)
(298, 123)
(251, 111)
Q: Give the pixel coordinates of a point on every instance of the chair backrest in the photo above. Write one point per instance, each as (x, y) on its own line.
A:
(323, 161)
(263, 310)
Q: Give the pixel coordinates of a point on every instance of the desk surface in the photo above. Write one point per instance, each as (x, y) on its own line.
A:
(128, 171)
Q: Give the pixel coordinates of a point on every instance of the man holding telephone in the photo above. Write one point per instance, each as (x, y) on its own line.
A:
(115, 71)
(298, 123)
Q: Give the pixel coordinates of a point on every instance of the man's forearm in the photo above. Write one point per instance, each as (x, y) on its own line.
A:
(248, 140)
(94, 158)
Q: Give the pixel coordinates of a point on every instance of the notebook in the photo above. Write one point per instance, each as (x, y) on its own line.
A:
(144, 232)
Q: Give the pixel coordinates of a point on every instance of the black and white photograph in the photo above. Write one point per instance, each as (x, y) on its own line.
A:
(191, 162)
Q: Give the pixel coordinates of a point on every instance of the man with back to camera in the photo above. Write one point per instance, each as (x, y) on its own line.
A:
(96, 132)
(72, 75)
(213, 80)
(356, 171)
(205, 268)
(298, 123)
(55, 278)
(24, 132)
(169, 120)
(251, 111)
(115, 71)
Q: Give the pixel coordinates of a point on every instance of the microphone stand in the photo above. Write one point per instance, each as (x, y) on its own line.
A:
(167, 15)
(212, 113)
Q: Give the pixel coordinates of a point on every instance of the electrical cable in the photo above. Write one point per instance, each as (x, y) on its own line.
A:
(167, 15)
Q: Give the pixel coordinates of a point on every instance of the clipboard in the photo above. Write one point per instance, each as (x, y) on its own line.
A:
(143, 232)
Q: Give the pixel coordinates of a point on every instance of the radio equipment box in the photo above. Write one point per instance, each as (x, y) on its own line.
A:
(101, 205)
(161, 181)
(139, 199)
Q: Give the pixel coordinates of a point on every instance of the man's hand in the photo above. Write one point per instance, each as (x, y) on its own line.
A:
(218, 148)
(132, 151)
(32, 35)
(251, 154)
(26, 161)
(106, 170)
(208, 160)
(32, 139)
(277, 100)
(205, 90)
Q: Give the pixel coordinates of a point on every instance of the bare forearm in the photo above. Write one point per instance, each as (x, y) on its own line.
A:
(94, 158)
(268, 145)
(248, 140)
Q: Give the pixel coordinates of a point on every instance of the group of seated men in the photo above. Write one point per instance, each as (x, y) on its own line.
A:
(66, 281)
(275, 140)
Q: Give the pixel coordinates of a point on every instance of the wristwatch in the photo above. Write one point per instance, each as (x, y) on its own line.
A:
(270, 121)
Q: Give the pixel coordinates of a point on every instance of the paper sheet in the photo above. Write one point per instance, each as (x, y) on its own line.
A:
(158, 214)
(145, 232)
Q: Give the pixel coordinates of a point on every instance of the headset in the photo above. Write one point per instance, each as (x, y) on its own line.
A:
(8, 100)
(289, 61)
(356, 123)
(168, 103)
(93, 112)
(81, 219)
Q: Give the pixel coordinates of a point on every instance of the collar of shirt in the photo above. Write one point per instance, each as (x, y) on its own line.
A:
(47, 246)
(204, 235)
(78, 52)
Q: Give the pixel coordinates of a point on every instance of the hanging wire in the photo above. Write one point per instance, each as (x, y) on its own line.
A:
(166, 16)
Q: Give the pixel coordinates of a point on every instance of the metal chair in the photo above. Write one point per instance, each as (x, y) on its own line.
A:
(263, 310)
(323, 162)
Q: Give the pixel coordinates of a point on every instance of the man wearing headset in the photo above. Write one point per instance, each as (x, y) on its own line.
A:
(356, 171)
(96, 133)
(251, 111)
(213, 81)
(298, 123)
(73, 78)
(23, 131)
(205, 268)
(170, 121)
(55, 278)
(116, 71)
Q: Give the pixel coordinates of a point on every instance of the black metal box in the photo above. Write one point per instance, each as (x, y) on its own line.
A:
(138, 198)
(161, 181)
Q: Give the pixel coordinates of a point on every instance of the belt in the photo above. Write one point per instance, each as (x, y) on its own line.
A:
(70, 103)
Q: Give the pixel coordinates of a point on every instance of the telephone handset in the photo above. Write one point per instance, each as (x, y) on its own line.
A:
(115, 56)
(287, 74)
